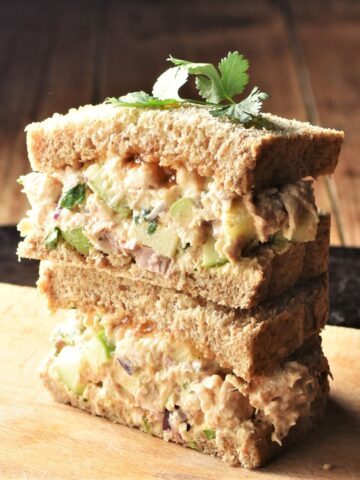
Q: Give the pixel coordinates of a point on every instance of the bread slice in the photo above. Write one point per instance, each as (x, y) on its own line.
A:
(248, 342)
(243, 285)
(216, 413)
(239, 158)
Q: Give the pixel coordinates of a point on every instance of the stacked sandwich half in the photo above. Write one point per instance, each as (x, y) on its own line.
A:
(192, 259)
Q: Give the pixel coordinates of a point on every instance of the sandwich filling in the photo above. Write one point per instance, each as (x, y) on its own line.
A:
(163, 219)
(148, 380)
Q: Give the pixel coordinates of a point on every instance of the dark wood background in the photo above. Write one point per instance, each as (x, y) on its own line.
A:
(305, 53)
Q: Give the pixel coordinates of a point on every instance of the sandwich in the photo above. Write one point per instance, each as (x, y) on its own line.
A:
(184, 240)
(113, 185)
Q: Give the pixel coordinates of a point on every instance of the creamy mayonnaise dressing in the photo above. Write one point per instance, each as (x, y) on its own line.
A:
(147, 192)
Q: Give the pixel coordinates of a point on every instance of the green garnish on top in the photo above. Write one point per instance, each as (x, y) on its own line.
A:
(74, 196)
(218, 88)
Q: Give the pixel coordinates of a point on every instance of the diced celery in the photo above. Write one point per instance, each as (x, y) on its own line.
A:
(210, 257)
(182, 211)
(97, 350)
(102, 183)
(77, 239)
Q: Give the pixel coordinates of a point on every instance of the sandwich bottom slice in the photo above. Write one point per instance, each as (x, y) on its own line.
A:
(140, 377)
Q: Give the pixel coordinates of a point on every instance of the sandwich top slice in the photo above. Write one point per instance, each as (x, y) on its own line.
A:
(237, 157)
(249, 342)
(152, 381)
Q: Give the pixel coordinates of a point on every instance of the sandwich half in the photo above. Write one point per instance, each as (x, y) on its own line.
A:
(248, 342)
(144, 378)
(178, 198)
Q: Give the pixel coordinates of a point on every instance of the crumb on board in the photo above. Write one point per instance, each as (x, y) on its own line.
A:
(327, 466)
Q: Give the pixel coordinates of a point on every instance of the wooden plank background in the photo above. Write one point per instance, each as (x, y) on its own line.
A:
(305, 53)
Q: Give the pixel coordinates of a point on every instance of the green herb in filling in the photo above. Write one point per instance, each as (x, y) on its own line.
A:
(138, 219)
(74, 196)
(52, 238)
(147, 426)
(192, 445)
(152, 227)
(210, 434)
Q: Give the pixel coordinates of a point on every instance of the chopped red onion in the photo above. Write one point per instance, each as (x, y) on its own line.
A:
(57, 213)
(126, 365)
(166, 421)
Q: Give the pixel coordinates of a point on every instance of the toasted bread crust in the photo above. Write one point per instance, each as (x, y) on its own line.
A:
(241, 159)
(244, 285)
(248, 342)
(255, 448)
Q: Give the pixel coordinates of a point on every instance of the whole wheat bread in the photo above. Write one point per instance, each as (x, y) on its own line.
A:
(239, 158)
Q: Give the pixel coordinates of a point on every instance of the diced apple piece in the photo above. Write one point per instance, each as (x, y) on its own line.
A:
(25, 226)
(184, 353)
(68, 365)
(304, 230)
(101, 181)
(163, 240)
(182, 211)
(210, 257)
(238, 224)
(97, 350)
(77, 239)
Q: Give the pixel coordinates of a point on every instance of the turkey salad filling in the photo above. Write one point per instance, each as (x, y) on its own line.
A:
(162, 218)
(166, 388)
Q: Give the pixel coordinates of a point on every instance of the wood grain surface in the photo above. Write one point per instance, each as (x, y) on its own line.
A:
(41, 439)
(57, 55)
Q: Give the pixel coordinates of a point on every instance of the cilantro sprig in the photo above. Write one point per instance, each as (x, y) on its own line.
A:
(73, 197)
(218, 88)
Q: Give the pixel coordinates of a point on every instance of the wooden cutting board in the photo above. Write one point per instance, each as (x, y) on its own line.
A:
(40, 439)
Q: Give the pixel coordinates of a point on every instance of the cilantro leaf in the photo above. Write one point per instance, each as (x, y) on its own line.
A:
(244, 111)
(217, 86)
(74, 196)
(234, 74)
(208, 81)
(138, 98)
(141, 100)
(168, 84)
